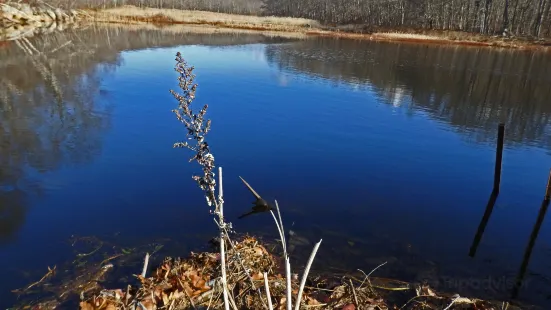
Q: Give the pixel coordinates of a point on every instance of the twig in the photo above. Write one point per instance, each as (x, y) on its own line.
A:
(287, 263)
(318, 288)
(51, 7)
(189, 297)
(127, 293)
(110, 258)
(231, 297)
(412, 299)
(29, 44)
(381, 265)
(282, 230)
(367, 275)
(60, 47)
(243, 266)
(279, 225)
(354, 293)
(288, 281)
(268, 296)
(453, 301)
(404, 288)
(23, 47)
(305, 275)
(222, 241)
(50, 272)
(281, 234)
(145, 263)
(210, 300)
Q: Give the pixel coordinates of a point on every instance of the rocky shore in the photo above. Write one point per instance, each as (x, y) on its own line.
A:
(20, 20)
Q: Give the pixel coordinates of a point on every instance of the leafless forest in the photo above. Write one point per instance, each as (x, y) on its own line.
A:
(491, 17)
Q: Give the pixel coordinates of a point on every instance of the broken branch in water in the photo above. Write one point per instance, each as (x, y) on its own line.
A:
(51, 272)
(110, 258)
(80, 255)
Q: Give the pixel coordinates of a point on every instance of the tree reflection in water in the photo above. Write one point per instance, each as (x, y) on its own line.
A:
(49, 117)
(473, 89)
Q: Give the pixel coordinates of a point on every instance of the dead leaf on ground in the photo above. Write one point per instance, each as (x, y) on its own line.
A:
(258, 276)
(149, 304)
(111, 307)
(312, 302)
(86, 306)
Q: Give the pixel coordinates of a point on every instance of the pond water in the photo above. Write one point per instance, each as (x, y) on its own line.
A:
(384, 150)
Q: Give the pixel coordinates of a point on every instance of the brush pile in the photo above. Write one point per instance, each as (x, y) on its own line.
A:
(194, 283)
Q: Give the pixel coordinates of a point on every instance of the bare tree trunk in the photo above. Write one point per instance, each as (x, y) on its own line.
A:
(539, 17)
(505, 18)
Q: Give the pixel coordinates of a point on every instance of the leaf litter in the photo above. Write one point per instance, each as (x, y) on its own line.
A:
(194, 283)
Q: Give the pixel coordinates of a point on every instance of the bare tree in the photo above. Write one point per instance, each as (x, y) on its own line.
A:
(490, 17)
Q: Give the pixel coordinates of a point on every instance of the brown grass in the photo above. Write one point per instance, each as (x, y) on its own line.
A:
(132, 14)
(441, 38)
(135, 15)
(176, 28)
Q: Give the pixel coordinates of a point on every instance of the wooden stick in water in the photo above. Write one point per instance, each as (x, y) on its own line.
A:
(548, 189)
(499, 157)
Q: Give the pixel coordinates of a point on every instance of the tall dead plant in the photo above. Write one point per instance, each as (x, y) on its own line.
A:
(197, 128)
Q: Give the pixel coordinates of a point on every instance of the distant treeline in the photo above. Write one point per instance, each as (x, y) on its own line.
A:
(491, 17)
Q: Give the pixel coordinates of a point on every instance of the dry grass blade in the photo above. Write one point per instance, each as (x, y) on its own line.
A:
(354, 293)
(281, 234)
(222, 240)
(145, 264)
(288, 282)
(256, 195)
(305, 275)
(268, 296)
(281, 228)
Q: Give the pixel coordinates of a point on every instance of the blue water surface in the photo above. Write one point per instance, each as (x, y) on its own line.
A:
(348, 154)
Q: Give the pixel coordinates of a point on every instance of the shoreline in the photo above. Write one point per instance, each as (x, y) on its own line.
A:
(191, 281)
(167, 17)
(20, 20)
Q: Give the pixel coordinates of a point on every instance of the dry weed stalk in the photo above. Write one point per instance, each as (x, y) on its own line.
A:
(197, 129)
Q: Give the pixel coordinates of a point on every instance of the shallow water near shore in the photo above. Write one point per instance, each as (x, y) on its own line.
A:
(384, 150)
